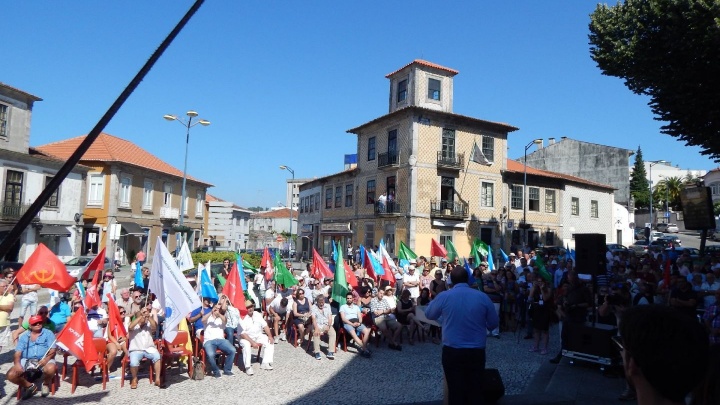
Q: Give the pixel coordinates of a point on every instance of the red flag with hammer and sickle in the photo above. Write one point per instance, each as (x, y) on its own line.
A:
(44, 268)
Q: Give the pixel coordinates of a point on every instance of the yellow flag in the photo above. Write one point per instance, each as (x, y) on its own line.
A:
(184, 326)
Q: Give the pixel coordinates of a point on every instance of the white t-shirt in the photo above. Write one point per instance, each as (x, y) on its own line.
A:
(214, 328)
(269, 295)
(252, 325)
(275, 305)
(709, 300)
(414, 291)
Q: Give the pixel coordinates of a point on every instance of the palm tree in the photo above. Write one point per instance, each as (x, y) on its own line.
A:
(669, 188)
(692, 179)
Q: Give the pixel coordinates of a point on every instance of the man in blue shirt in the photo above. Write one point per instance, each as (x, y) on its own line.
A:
(196, 316)
(36, 344)
(466, 315)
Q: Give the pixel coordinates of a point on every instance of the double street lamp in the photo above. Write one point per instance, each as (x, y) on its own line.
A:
(290, 206)
(651, 164)
(188, 123)
(537, 141)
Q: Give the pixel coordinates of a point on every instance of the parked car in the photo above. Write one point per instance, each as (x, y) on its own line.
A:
(639, 248)
(678, 251)
(715, 234)
(656, 235)
(673, 228)
(661, 227)
(77, 265)
(640, 234)
(672, 239)
(616, 248)
(658, 245)
(550, 251)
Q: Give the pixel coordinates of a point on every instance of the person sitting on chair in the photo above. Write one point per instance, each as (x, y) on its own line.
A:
(278, 309)
(251, 330)
(34, 347)
(351, 315)
(142, 345)
(321, 324)
(389, 326)
(214, 339)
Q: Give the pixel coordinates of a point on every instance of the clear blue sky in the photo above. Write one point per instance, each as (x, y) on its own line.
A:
(283, 81)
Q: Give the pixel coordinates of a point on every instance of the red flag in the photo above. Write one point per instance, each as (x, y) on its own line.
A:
(389, 276)
(267, 262)
(320, 265)
(234, 291)
(349, 275)
(369, 267)
(77, 339)
(97, 264)
(437, 249)
(92, 296)
(116, 326)
(45, 269)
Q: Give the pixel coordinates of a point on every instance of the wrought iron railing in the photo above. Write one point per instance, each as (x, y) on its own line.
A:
(453, 161)
(13, 210)
(450, 209)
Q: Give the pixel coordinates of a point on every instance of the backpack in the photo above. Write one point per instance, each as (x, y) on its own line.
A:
(198, 372)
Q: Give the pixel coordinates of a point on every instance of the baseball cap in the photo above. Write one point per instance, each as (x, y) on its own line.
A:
(35, 319)
(413, 261)
(553, 262)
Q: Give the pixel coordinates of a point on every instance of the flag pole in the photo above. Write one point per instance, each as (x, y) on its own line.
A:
(9, 284)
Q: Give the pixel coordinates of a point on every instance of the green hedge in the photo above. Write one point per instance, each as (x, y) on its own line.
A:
(218, 257)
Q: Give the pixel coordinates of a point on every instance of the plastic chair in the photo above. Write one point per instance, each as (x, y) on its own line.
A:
(53, 386)
(175, 350)
(101, 348)
(126, 363)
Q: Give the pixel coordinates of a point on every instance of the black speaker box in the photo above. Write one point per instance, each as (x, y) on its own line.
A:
(590, 253)
(492, 386)
(591, 340)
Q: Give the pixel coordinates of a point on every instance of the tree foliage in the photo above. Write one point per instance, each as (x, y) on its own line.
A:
(667, 50)
(639, 186)
(668, 189)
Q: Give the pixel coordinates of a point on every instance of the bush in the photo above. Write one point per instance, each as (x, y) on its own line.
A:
(218, 257)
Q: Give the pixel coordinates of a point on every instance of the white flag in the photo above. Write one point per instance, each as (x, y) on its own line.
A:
(384, 253)
(172, 289)
(184, 260)
(478, 156)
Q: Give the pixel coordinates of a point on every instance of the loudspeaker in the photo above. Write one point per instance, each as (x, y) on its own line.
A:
(591, 340)
(590, 253)
(492, 388)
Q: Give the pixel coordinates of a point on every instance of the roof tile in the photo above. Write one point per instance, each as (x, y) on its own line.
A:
(516, 167)
(426, 64)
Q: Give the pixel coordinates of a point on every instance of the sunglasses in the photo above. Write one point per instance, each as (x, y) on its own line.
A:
(122, 312)
(36, 324)
(136, 297)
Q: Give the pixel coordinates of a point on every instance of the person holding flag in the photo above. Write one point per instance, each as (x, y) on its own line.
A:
(35, 349)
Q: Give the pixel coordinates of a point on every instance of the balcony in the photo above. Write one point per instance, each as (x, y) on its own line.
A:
(12, 211)
(451, 161)
(389, 159)
(448, 209)
(169, 213)
(391, 208)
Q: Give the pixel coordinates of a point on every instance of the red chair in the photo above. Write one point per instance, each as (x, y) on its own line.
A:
(175, 350)
(291, 329)
(126, 363)
(53, 387)
(101, 349)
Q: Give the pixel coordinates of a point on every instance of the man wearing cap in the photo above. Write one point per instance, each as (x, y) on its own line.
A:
(466, 316)
(411, 282)
(251, 330)
(34, 346)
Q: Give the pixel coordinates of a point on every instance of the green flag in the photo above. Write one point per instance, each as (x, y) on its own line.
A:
(249, 266)
(405, 254)
(340, 285)
(282, 274)
(482, 247)
(541, 269)
(221, 279)
(451, 252)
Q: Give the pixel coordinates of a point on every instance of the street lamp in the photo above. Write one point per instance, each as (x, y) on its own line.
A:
(292, 196)
(187, 124)
(651, 164)
(537, 141)
(667, 200)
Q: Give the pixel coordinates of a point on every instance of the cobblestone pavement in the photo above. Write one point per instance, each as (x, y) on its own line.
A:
(413, 375)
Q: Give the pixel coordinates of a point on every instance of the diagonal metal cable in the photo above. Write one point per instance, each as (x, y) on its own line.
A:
(44, 196)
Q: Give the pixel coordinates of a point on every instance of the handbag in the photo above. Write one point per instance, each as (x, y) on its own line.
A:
(198, 369)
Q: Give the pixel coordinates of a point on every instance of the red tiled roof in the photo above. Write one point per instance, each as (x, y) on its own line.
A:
(426, 64)
(109, 148)
(514, 166)
(211, 198)
(279, 213)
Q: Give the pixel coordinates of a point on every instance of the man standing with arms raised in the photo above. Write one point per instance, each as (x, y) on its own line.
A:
(466, 314)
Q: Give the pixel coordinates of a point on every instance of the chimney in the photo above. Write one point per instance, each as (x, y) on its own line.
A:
(551, 141)
(562, 138)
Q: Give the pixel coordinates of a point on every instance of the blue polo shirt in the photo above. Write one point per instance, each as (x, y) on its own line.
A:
(199, 323)
(37, 349)
(467, 315)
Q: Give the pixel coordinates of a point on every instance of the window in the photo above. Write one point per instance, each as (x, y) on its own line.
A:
(317, 202)
(487, 191)
(448, 143)
(516, 197)
(533, 199)
(575, 206)
(550, 201)
(515, 237)
(370, 192)
(3, 120)
(13, 188)
(434, 89)
(185, 206)
(392, 142)
(444, 238)
(369, 234)
(593, 209)
(348, 195)
(167, 194)
(312, 203)
(96, 189)
(402, 90)
(54, 198)
(549, 238)
(715, 188)
(390, 239)
(371, 148)
(199, 203)
(338, 196)
(328, 198)
(488, 148)
(147, 195)
(125, 191)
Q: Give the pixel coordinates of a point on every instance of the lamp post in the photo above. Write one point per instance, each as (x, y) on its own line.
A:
(537, 141)
(292, 196)
(187, 124)
(651, 164)
(667, 200)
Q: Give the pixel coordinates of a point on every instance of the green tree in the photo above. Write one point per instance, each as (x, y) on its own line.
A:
(639, 185)
(667, 50)
(668, 189)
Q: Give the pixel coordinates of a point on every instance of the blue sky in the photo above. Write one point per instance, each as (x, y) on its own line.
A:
(281, 82)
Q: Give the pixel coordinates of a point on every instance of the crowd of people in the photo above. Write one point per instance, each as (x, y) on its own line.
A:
(528, 295)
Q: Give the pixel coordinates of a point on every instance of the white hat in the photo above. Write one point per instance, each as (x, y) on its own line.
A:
(413, 261)
(411, 267)
(553, 262)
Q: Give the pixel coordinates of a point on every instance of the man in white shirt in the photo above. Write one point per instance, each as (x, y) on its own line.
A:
(214, 339)
(251, 330)
(411, 282)
(321, 324)
(142, 345)
(278, 311)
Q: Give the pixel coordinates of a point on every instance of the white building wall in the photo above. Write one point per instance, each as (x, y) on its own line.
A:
(583, 223)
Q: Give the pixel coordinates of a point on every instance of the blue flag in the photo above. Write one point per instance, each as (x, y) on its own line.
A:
(375, 263)
(471, 279)
(490, 260)
(241, 269)
(207, 289)
(362, 255)
(504, 256)
(138, 277)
